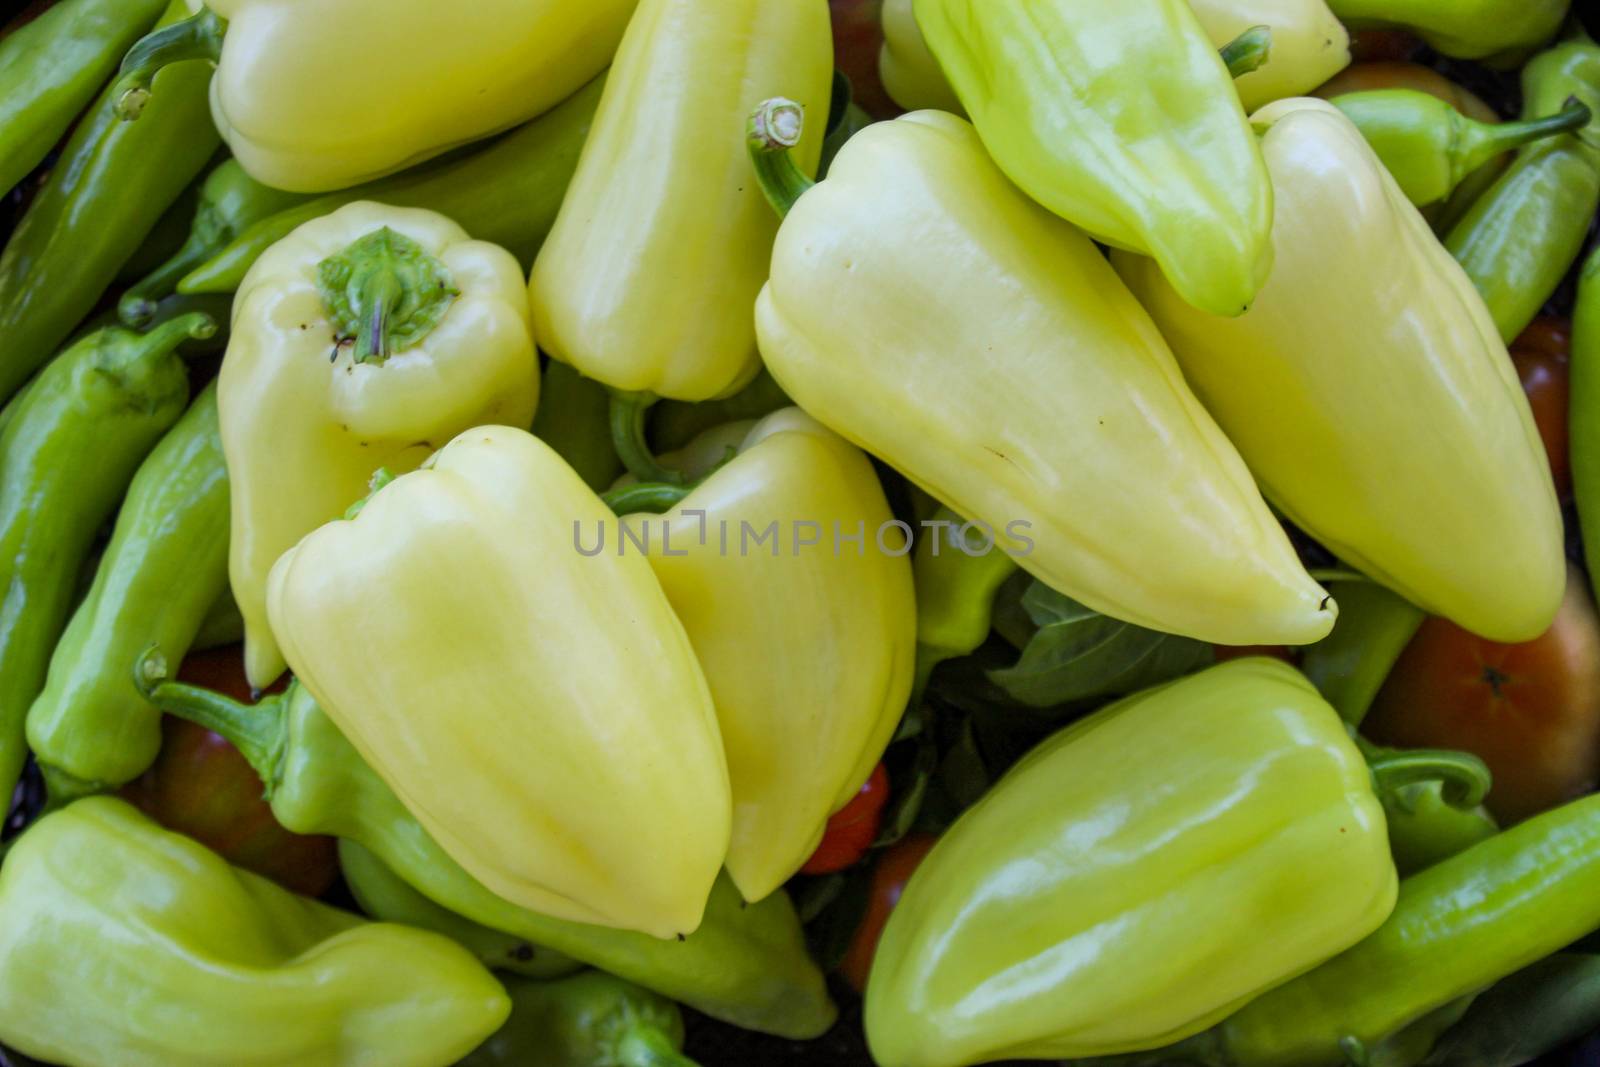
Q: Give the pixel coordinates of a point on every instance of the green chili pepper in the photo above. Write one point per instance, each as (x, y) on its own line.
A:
(53, 66)
(746, 964)
(223, 624)
(589, 1020)
(68, 449)
(230, 202)
(674, 423)
(1583, 412)
(1430, 147)
(384, 895)
(113, 182)
(574, 418)
(957, 576)
(1518, 240)
(165, 567)
(507, 193)
(1466, 29)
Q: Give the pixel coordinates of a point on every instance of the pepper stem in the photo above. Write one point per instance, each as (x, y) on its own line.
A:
(1464, 779)
(191, 325)
(1495, 139)
(197, 37)
(1248, 52)
(627, 437)
(138, 305)
(256, 730)
(775, 127)
(654, 497)
(647, 1046)
(380, 478)
(384, 292)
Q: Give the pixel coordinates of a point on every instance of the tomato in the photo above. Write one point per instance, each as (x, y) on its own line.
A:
(1388, 74)
(894, 868)
(1541, 357)
(201, 786)
(1529, 711)
(857, 39)
(852, 829)
(1227, 652)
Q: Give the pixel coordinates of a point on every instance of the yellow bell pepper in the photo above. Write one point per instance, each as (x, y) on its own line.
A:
(927, 311)
(1309, 46)
(646, 281)
(365, 339)
(807, 639)
(1370, 393)
(316, 95)
(539, 709)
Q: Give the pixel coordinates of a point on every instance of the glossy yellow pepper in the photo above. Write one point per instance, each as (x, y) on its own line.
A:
(365, 339)
(1370, 393)
(536, 706)
(1122, 119)
(807, 638)
(1309, 46)
(646, 281)
(316, 95)
(927, 311)
(1137, 877)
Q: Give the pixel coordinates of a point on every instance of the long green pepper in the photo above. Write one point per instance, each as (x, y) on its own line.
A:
(1583, 412)
(52, 67)
(166, 566)
(1517, 242)
(589, 1020)
(112, 184)
(746, 964)
(69, 446)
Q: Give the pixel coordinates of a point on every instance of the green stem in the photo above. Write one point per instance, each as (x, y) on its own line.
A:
(191, 325)
(1464, 777)
(775, 127)
(648, 1046)
(1506, 136)
(138, 305)
(197, 37)
(1248, 52)
(654, 497)
(380, 478)
(386, 292)
(256, 730)
(628, 412)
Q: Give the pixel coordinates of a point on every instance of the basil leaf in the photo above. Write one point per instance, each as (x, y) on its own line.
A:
(1079, 654)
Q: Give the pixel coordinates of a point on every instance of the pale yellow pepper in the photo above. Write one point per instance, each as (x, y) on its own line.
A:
(1309, 46)
(646, 282)
(537, 707)
(365, 339)
(1370, 393)
(807, 638)
(927, 311)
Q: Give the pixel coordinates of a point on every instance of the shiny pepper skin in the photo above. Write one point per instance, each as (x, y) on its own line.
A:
(1136, 878)
(1370, 393)
(548, 724)
(366, 338)
(123, 943)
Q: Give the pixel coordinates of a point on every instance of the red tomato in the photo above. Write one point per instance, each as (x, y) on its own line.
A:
(1529, 711)
(1541, 355)
(202, 787)
(857, 39)
(1227, 652)
(852, 829)
(1385, 73)
(895, 866)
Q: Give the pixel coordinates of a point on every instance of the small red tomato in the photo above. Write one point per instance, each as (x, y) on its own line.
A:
(1227, 652)
(1530, 711)
(1541, 356)
(201, 786)
(895, 866)
(852, 829)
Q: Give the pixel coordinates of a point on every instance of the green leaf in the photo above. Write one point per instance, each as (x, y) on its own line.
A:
(1079, 654)
(1522, 1017)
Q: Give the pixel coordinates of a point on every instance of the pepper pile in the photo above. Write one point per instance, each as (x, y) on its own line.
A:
(523, 516)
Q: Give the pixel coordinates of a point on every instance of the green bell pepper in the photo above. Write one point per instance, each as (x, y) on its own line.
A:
(123, 943)
(589, 1020)
(746, 964)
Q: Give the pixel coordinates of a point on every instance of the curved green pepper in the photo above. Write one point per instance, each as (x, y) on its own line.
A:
(384, 895)
(955, 592)
(507, 193)
(574, 418)
(230, 201)
(1583, 412)
(166, 566)
(53, 66)
(1465, 29)
(746, 964)
(113, 182)
(590, 1020)
(69, 446)
(1517, 242)
(1430, 147)
(124, 943)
